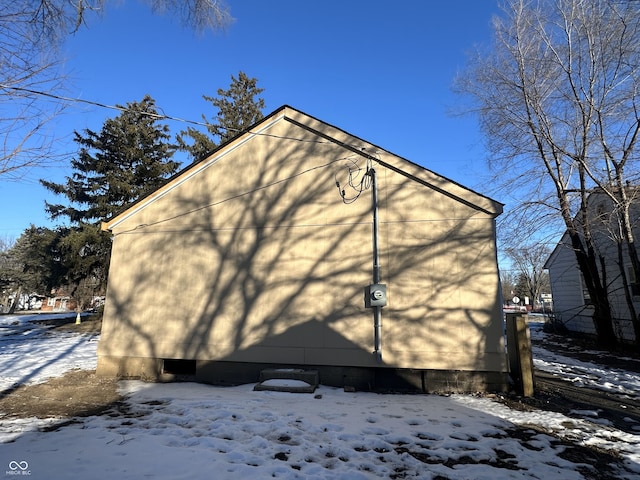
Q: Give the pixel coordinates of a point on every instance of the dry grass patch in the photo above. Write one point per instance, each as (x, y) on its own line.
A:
(78, 393)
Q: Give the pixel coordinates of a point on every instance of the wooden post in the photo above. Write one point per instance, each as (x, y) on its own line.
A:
(520, 353)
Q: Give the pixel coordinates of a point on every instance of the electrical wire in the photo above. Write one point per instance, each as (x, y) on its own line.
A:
(356, 180)
(98, 104)
(158, 116)
(233, 197)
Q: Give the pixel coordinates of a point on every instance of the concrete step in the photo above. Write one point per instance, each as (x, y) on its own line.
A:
(294, 380)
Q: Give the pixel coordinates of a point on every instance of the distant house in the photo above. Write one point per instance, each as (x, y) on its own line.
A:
(25, 301)
(57, 301)
(572, 304)
(259, 256)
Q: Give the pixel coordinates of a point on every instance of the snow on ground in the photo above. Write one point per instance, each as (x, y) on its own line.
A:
(191, 431)
(583, 374)
(31, 354)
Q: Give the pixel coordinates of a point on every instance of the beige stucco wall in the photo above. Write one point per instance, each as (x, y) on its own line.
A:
(254, 257)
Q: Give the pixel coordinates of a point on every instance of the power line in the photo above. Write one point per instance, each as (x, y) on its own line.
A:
(101, 105)
(150, 114)
(363, 184)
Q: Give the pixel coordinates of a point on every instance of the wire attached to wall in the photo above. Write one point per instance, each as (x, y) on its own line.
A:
(227, 199)
(357, 181)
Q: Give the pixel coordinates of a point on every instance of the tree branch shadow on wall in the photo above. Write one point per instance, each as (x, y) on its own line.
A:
(280, 231)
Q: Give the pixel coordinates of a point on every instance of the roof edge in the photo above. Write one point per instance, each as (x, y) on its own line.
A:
(338, 136)
(418, 172)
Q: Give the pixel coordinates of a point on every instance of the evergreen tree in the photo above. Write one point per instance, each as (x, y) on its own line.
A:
(128, 158)
(239, 107)
(32, 264)
(523, 287)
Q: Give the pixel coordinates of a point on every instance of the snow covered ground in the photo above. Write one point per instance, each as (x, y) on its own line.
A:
(191, 431)
(29, 355)
(584, 374)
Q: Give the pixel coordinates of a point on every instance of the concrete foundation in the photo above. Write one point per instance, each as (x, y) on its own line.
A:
(357, 378)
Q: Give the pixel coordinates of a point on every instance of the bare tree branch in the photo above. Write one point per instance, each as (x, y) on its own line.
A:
(556, 97)
(30, 34)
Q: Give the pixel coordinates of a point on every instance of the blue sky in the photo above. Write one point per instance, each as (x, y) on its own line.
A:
(380, 70)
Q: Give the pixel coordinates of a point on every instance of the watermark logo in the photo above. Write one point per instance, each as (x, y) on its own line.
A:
(18, 468)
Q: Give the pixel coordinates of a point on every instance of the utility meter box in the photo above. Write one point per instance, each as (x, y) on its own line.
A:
(375, 295)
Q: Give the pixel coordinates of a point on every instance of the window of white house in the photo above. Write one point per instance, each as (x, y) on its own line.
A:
(633, 282)
(586, 297)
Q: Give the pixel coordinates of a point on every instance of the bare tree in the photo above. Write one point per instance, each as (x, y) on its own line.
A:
(528, 261)
(30, 78)
(26, 64)
(508, 282)
(557, 99)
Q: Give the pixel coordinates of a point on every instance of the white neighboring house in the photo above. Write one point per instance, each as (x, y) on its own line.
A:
(27, 301)
(546, 302)
(571, 302)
